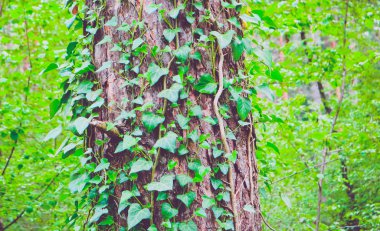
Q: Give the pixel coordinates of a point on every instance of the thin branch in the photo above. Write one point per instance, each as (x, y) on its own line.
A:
(265, 222)
(9, 157)
(325, 149)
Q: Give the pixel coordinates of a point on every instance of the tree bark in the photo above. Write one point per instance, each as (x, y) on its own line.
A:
(118, 99)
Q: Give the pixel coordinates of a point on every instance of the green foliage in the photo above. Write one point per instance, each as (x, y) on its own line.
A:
(168, 142)
(206, 84)
(136, 214)
(151, 120)
(33, 40)
(275, 94)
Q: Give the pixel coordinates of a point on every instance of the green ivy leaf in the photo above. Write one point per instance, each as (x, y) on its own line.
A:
(151, 120)
(98, 103)
(171, 94)
(234, 21)
(55, 105)
(232, 156)
(127, 143)
(136, 214)
(182, 53)
(136, 43)
(112, 22)
(93, 95)
(244, 107)
(86, 67)
(207, 202)
(155, 73)
(200, 212)
(183, 179)
(107, 221)
(52, 66)
(152, 228)
(78, 184)
(104, 164)
(105, 65)
(170, 34)
(187, 198)
(273, 146)
(196, 111)
(237, 48)
(182, 150)
(167, 211)
(125, 196)
(183, 121)
(63, 144)
(96, 180)
(206, 84)
(224, 168)
(216, 152)
(223, 39)
(141, 165)
(53, 133)
(165, 184)
(274, 74)
(193, 135)
(152, 8)
(189, 226)
(98, 213)
(81, 124)
(174, 12)
(168, 142)
(216, 183)
(106, 39)
(84, 87)
(198, 5)
(217, 211)
(172, 164)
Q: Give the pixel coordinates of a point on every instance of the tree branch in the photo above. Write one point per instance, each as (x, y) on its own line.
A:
(9, 157)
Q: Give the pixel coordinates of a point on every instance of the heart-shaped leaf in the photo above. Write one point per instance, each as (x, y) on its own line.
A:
(136, 214)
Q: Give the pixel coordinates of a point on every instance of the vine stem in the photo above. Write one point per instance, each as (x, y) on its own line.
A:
(224, 139)
(154, 167)
(326, 148)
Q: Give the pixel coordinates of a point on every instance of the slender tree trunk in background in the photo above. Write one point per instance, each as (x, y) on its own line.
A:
(352, 223)
(244, 172)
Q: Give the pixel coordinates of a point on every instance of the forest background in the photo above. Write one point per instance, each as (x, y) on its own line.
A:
(310, 49)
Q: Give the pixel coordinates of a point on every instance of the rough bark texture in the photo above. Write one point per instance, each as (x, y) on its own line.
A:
(115, 100)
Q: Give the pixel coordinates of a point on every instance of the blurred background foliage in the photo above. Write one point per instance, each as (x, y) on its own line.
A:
(34, 183)
(303, 43)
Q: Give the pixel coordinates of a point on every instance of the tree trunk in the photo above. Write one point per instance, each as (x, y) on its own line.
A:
(121, 97)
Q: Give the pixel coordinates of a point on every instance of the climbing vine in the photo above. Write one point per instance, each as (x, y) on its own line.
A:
(98, 178)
